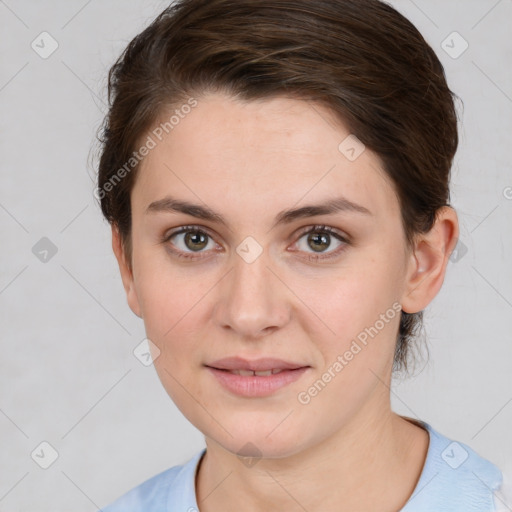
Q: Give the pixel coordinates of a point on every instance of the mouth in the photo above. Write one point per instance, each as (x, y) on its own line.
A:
(256, 378)
(249, 373)
(263, 364)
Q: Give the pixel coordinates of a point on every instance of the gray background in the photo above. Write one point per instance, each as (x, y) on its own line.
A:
(68, 374)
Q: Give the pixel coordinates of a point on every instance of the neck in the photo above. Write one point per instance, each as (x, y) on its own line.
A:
(371, 463)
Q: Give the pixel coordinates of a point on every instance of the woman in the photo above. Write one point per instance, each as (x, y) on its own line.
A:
(276, 174)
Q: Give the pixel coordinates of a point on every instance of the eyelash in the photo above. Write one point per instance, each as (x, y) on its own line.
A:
(311, 229)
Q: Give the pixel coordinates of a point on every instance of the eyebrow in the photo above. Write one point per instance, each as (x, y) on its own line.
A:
(339, 204)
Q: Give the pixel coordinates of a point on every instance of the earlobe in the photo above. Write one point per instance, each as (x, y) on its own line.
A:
(428, 261)
(126, 272)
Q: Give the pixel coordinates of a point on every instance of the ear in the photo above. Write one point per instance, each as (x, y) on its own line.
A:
(126, 272)
(428, 261)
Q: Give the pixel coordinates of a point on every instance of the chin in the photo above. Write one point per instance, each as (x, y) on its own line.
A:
(253, 441)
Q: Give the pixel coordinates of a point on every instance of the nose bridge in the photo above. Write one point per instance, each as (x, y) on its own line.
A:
(253, 301)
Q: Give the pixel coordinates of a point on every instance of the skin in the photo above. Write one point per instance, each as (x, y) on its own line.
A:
(345, 450)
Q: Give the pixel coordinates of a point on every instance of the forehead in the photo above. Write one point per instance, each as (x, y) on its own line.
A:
(253, 155)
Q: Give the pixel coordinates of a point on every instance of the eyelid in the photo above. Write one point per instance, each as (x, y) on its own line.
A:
(325, 228)
(188, 227)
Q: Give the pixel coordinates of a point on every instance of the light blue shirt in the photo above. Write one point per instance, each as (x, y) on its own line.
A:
(454, 479)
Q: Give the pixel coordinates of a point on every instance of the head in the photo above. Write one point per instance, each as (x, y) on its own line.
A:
(227, 120)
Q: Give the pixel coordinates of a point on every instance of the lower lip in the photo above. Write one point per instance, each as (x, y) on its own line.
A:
(255, 385)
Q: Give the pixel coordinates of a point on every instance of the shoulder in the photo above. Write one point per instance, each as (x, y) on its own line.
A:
(454, 478)
(503, 495)
(155, 493)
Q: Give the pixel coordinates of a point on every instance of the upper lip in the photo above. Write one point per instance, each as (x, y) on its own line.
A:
(257, 365)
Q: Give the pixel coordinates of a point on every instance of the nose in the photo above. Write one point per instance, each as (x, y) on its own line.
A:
(253, 301)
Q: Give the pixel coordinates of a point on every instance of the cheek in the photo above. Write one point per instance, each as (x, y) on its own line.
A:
(356, 358)
(356, 335)
(166, 294)
(350, 300)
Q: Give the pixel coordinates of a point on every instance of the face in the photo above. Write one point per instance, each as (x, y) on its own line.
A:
(319, 290)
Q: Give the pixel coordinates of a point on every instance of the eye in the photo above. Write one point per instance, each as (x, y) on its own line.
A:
(319, 239)
(189, 240)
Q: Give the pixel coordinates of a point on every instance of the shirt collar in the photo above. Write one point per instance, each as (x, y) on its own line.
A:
(440, 454)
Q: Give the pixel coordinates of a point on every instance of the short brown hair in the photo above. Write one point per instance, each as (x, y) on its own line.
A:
(360, 58)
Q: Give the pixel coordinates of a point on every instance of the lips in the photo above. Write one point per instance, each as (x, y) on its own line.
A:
(248, 373)
(257, 378)
(262, 367)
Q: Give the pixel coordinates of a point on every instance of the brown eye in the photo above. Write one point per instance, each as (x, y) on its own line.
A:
(319, 239)
(188, 240)
(196, 240)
